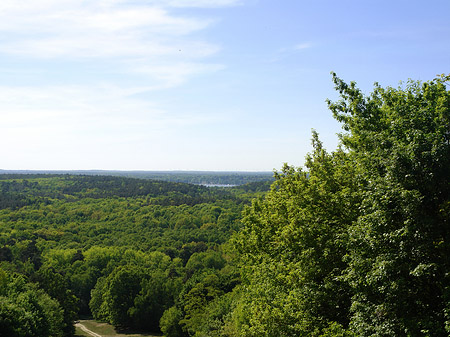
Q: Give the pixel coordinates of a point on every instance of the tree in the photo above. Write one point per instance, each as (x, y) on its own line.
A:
(292, 248)
(133, 296)
(26, 311)
(113, 297)
(56, 285)
(399, 247)
(204, 260)
(358, 243)
(170, 323)
(155, 297)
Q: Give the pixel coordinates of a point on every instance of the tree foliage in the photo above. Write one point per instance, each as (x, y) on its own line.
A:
(26, 311)
(399, 246)
(358, 243)
(293, 245)
(113, 247)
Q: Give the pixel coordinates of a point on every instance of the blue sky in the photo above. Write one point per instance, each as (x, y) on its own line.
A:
(197, 84)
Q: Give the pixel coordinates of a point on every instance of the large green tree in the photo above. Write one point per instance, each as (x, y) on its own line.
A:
(399, 247)
(358, 242)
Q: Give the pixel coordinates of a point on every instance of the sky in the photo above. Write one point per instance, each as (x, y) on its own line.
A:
(210, 85)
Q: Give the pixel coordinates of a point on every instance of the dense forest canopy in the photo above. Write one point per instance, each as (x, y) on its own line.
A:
(356, 243)
(73, 237)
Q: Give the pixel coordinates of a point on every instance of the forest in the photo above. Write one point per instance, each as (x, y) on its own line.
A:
(189, 177)
(354, 243)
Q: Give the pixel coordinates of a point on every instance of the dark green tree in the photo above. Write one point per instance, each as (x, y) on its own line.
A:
(26, 311)
(155, 297)
(117, 294)
(56, 285)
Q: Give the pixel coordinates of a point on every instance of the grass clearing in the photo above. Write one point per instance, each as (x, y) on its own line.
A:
(106, 330)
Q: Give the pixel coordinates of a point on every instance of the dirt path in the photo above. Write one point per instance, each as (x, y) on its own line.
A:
(82, 327)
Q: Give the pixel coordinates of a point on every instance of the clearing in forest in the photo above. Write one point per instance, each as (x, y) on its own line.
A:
(91, 328)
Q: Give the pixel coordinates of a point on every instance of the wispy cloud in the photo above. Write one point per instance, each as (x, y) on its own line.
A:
(85, 29)
(289, 51)
(301, 46)
(174, 74)
(144, 34)
(79, 78)
(201, 3)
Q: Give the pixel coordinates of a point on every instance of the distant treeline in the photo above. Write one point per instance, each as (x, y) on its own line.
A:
(189, 177)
